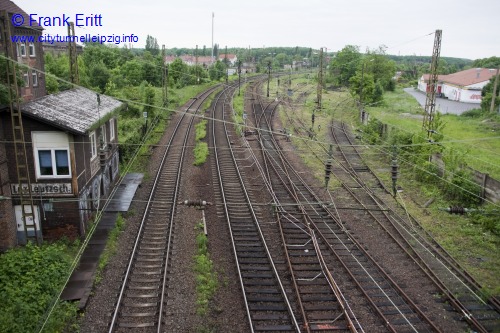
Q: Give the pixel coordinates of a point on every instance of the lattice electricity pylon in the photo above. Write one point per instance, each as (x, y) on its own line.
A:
(430, 101)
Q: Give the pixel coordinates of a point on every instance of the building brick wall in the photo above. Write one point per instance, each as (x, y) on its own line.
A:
(7, 218)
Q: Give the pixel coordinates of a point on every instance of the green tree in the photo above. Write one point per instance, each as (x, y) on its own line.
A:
(177, 71)
(217, 71)
(344, 65)
(362, 87)
(132, 72)
(487, 95)
(59, 68)
(98, 76)
(152, 45)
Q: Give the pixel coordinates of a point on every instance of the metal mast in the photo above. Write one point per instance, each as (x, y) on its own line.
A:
(73, 59)
(21, 157)
(430, 101)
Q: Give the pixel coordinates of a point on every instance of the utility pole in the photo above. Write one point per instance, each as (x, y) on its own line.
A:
(28, 214)
(227, 67)
(430, 101)
(73, 57)
(196, 64)
(268, 76)
(239, 77)
(494, 94)
(213, 15)
(320, 79)
(164, 81)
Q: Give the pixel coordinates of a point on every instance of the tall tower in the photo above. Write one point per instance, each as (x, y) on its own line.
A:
(430, 101)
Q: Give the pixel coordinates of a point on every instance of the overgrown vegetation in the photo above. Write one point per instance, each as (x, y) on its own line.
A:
(200, 148)
(238, 108)
(206, 277)
(473, 239)
(30, 280)
(110, 249)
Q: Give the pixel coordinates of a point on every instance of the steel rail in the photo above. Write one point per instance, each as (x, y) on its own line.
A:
(253, 215)
(156, 182)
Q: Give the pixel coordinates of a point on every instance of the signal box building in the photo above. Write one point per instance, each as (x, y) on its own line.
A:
(72, 151)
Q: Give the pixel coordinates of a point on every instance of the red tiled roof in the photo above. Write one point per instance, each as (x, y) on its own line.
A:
(465, 78)
(469, 76)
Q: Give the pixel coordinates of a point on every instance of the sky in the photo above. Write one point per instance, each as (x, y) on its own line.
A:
(470, 29)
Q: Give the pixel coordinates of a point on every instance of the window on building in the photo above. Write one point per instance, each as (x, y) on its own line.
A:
(21, 50)
(51, 151)
(31, 49)
(111, 129)
(34, 78)
(103, 136)
(93, 145)
(53, 162)
(26, 79)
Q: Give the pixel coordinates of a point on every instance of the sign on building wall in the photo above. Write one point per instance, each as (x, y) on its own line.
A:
(43, 189)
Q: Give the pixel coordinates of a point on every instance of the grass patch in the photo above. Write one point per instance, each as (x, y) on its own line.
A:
(206, 277)
(200, 153)
(238, 110)
(201, 148)
(474, 135)
(464, 237)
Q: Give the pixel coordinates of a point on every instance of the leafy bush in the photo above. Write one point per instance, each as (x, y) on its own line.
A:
(30, 279)
(462, 190)
(206, 277)
(201, 131)
(200, 153)
(474, 113)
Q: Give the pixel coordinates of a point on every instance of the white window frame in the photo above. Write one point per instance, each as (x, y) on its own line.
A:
(26, 78)
(51, 141)
(31, 47)
(22, 50)
(111, 129)
(34, 78)
(93, 145)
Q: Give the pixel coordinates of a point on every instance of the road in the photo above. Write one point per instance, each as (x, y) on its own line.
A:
(443, 105)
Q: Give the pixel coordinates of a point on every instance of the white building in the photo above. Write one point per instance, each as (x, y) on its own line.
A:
(464, 86)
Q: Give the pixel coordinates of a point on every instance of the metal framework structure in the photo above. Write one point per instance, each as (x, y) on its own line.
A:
(430, 101)
(73, 61)
(21, 157)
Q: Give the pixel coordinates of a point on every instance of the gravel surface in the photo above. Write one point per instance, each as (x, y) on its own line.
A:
(227, 311)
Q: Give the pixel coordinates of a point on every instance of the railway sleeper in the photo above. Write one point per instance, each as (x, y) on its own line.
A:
(267, 307)
(265, 298)
(276, 328)
(136, 325)
(138, 314)
(260, 275)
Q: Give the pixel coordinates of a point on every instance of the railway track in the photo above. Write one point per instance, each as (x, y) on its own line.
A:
(267, 306)
(142, 297)
(459, 288)
(334, 246)
(361, 187)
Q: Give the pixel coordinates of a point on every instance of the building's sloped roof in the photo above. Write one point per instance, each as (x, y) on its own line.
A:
(465, 78)
(75, 110)
(11, 8)
(469, 76)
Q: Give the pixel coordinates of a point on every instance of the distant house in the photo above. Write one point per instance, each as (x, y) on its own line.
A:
(190, 60)
(26, 53)
(72, 151)
(231, 58)
(464, 86)
(60, 48)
